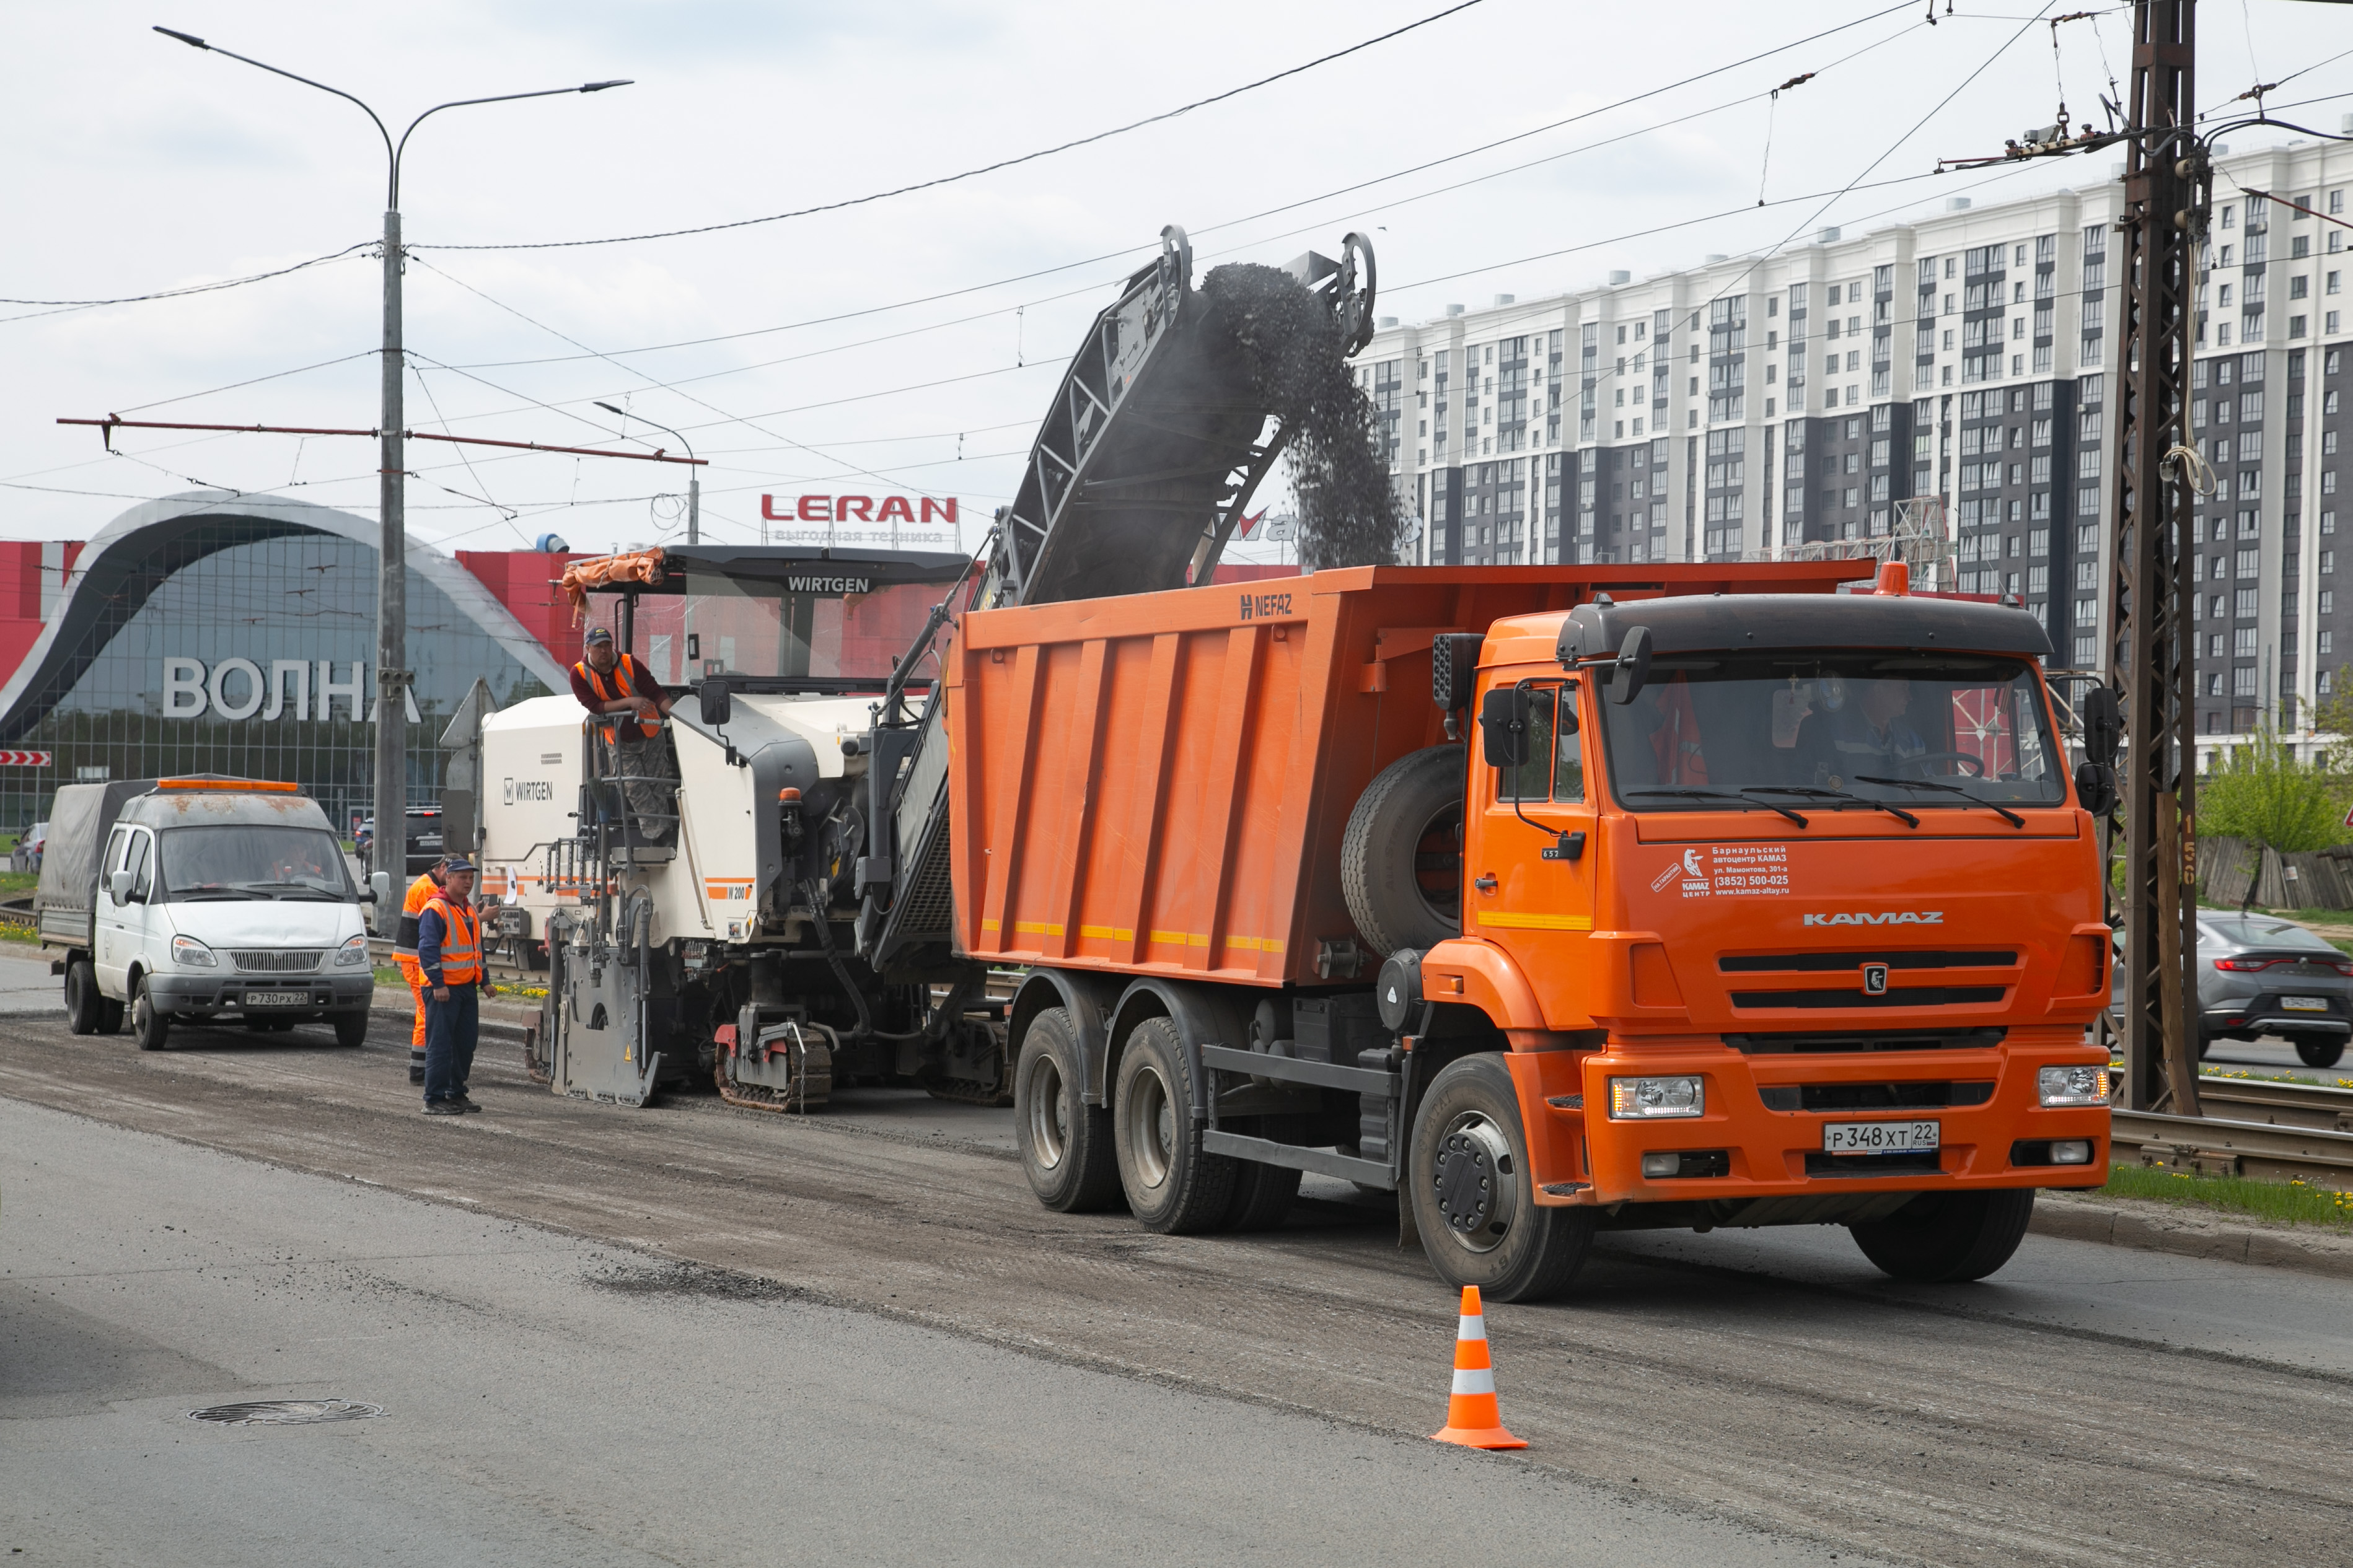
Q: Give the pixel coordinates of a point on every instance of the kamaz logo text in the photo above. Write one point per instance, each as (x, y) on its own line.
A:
(1889, 917)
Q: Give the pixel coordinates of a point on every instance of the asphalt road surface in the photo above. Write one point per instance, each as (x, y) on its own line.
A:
(958, 1374)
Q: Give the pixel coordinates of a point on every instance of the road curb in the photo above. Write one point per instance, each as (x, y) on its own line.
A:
(2161, 1228)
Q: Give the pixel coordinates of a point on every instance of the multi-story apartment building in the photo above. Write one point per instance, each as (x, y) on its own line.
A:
(1751, 407)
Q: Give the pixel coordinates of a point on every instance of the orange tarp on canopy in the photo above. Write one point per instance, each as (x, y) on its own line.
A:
(636, 566)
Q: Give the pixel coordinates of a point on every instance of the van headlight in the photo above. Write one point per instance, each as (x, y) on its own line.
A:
(2072, 1086)
(1656, 1099)
(188, 950)
(353, 954)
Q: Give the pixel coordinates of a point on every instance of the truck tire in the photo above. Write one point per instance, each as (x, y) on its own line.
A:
(110, 1012)
(1944, 1238)
(1401, 857)
(81, 997)
(1468, 1179)
(1172, 1185)
(1065, 1142)
(149, 1025)
(1263, 1193)
(2320, 1051)
(351, 1028)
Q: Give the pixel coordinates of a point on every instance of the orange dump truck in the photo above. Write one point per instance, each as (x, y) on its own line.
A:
(1750, 902)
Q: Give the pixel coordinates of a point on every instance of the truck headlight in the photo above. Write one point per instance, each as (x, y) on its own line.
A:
(2072, 1086)
(353, 954)
(1654, 1099)
(188, 950)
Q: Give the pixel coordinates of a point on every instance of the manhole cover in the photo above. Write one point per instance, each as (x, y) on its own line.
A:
(286, 1412)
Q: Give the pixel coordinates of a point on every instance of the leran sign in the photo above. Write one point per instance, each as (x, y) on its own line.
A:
(236, 689)
(854, 508)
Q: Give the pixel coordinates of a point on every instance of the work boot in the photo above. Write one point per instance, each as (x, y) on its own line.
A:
(416, 1075)
(462, 1103)
(444, 1108)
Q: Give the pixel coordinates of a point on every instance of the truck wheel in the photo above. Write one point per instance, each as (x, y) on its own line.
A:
(81, 997)
(351, 1029)
(109, 1012)
(2323, 1053)
(1401, 857)
(150, 1026)
(1263, 1193)
(1468, 1184)
(1065, 1142)
(1942, 1238)
(1172, 1185)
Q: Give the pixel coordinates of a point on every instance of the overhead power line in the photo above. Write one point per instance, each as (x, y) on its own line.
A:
(195, 287)
(989, 168)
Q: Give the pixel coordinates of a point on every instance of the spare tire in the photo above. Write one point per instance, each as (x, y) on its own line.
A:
(1401, 857)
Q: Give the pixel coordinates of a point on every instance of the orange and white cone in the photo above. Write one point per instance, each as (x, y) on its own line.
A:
(1472, 1419)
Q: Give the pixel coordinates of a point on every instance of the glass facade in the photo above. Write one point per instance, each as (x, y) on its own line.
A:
(244, 646)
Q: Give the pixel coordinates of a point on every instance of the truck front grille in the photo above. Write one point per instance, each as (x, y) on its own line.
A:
(1839, 1042)
(277, 959)
(1913, 996)
(1785, 963)
(1921, 1096)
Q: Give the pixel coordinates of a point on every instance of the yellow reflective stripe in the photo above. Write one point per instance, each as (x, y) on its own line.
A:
(1536, 922)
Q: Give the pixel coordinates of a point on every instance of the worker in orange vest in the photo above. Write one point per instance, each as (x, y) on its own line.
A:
(615, 685)
(449, 951)
(404, 953)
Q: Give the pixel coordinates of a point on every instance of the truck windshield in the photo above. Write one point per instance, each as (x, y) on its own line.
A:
(1802, 729)
(252, 860)
(812, 626)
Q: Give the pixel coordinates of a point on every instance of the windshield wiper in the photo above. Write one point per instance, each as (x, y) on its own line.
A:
(2015, 820)
(199, 895)
(1814, 792)
(1688, 792)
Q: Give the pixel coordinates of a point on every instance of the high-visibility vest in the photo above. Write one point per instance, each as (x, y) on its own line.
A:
(404, 939)
(461, 942)
(596, 681)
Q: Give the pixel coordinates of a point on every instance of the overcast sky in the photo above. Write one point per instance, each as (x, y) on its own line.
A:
(141, 164)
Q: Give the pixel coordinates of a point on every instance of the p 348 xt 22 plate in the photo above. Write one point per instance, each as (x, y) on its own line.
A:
(1879, 1137)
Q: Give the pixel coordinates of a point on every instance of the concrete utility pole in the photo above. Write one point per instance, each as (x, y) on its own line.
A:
(693, 480)
(393, 676)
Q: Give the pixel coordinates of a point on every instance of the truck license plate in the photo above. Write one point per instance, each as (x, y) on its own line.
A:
(2305, 1003)
(1877, 1137)
(276, 998)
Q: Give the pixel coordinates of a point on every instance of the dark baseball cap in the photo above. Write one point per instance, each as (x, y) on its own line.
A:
(597, 634)
(460, 864)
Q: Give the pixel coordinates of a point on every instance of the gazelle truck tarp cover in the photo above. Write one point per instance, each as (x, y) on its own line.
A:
(78, 823)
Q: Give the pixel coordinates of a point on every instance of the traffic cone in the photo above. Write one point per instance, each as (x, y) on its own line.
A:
(1472, 1419)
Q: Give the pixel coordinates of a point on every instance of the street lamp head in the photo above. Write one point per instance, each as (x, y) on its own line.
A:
(188, 38)
(610, 409)
(590, 87)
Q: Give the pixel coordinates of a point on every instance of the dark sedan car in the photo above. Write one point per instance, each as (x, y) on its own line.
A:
(2260, 975)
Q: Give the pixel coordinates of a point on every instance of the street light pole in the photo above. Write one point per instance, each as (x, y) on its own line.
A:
(393, 677)
(693, 480)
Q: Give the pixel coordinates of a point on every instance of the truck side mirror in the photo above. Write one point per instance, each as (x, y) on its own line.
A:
(2103, 725)
(1503, 726)
(718, 702)
(1632, 668)
(118, 884)
(2095, 786)
(379, 891)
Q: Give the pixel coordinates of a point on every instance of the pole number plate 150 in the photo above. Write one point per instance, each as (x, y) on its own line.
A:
(1877, 1137)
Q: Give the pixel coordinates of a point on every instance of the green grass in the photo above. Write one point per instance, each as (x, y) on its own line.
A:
(24, 934)
(2291, 1203)
(17, 884)
(388, 974)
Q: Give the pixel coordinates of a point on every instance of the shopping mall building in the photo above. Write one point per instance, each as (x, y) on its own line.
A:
(212, 633)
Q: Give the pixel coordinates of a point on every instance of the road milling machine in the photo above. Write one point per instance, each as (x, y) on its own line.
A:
(736, 912)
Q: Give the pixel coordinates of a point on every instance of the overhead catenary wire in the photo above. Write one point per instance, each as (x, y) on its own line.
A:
(1002, 163)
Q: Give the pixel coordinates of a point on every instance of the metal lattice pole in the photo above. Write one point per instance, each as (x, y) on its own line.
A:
(2154, 655)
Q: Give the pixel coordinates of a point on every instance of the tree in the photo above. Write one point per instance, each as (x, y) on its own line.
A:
(2262, 793)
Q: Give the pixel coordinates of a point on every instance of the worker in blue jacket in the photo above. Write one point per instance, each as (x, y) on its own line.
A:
(449, 954)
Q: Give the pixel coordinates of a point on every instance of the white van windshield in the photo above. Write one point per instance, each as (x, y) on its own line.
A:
(252, 860)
